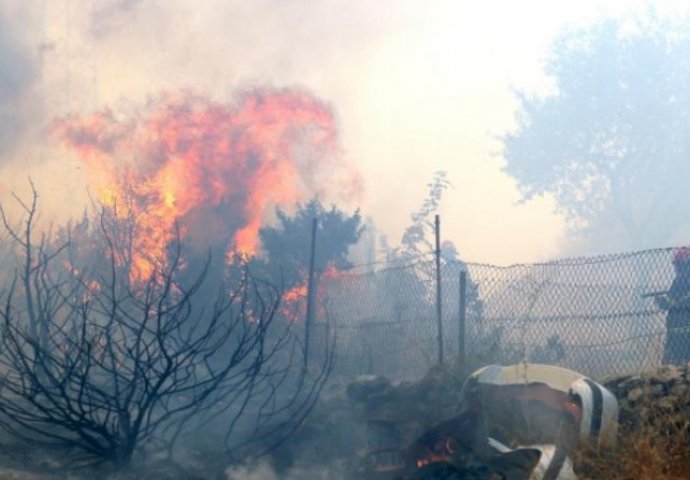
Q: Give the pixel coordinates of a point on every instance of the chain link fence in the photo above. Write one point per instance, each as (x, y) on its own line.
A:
(596, 315)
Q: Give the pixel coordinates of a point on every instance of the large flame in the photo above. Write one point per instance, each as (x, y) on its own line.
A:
(214, 168)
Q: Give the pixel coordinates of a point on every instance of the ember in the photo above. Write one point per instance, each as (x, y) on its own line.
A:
(441, 453)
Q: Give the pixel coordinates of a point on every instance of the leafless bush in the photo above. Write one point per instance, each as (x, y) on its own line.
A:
(96, 364)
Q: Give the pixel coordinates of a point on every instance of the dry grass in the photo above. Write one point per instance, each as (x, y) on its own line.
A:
(654, 444)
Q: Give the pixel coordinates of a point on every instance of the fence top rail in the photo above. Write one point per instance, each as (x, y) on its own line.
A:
(574, 261)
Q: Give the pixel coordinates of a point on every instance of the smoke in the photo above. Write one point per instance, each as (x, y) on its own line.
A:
(260, 472)
(110, 15)
(16, 76)
(263, 471)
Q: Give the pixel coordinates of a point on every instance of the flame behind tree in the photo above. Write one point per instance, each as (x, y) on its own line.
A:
(284, 244)
(216, 169)
(286, 252)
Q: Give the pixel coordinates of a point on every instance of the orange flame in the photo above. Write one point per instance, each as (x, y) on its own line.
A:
(215, 169)
(441, 453)
(294, 300)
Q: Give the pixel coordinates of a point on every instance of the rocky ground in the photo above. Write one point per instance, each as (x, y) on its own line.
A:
(641, 396)
(654, 434)
(375, 412)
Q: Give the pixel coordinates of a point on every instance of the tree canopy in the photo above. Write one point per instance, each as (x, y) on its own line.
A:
(611, 144)
(286, 245)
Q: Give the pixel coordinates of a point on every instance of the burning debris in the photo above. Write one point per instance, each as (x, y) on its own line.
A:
(517, 422)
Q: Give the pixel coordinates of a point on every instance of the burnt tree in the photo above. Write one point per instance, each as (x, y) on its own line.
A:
(95, 364)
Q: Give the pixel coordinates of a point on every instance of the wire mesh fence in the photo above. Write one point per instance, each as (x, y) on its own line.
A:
(596, 315)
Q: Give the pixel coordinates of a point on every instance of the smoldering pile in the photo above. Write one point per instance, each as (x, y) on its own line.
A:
(501, 422)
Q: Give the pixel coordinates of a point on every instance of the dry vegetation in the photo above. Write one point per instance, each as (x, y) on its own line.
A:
(654, 444)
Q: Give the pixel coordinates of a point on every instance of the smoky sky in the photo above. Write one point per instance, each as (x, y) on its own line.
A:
(109, 16)
(416, 87)
(16, 76)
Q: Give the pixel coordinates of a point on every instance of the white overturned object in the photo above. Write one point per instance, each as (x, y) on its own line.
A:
(554, 463)
(597, 407)
(599, 424)
(524, 373)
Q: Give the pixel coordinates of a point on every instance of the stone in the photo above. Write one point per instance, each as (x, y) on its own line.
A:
(667, 403)
(627, 384)
(654, 390)
(635, 394)
(365, 386)
(666, 374)
(679, 390)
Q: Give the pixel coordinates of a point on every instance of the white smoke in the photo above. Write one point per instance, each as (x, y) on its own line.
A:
(263, 471)
(16, 76)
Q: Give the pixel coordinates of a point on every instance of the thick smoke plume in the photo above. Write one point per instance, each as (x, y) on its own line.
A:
(216, 169)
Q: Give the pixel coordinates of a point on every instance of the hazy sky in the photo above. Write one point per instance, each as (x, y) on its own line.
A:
(417, 87)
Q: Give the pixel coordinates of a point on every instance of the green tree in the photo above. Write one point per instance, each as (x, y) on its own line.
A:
(286, 246)
(611, 144)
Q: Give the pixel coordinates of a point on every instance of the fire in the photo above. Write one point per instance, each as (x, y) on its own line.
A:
(441, 453)
(215, 169)
(294, 299)
(432, 458)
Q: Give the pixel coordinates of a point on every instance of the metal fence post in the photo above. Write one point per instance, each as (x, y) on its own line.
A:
(439, 298)
(309, 321)
(462, 312)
